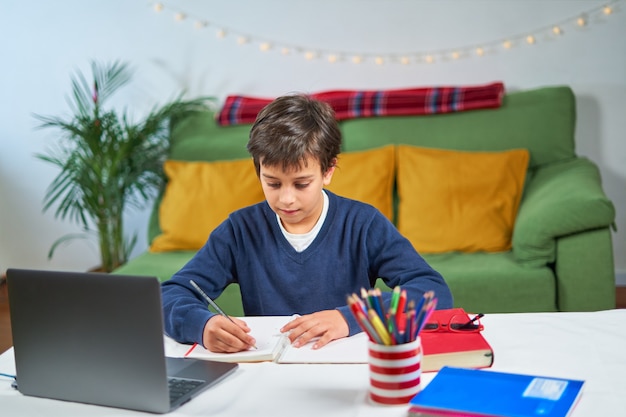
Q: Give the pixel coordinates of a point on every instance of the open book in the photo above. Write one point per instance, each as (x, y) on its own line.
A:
(275, 346)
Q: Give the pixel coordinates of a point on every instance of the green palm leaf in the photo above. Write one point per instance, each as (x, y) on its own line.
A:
(107, 163)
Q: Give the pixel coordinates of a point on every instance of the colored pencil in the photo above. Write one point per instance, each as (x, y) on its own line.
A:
(380, 328)
(400, 323)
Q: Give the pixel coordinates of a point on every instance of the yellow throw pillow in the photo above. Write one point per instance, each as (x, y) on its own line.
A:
(459, 200)
(199, 196)
(367, 176)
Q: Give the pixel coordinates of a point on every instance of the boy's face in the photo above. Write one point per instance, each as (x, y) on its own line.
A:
(296, 195)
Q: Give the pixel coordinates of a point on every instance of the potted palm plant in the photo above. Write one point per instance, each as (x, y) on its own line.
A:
(107, 162)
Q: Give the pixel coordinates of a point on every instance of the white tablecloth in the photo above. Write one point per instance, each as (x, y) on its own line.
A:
(588, 346)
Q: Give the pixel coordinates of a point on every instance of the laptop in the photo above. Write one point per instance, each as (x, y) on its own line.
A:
(98, 338)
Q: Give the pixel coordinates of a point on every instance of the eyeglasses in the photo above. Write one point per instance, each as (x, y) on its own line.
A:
(458, 323)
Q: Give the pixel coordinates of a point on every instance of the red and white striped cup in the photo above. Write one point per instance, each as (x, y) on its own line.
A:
(395, 372)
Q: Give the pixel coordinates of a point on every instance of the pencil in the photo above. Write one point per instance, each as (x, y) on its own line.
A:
(400, 316)
(365, 298)
(379, 327)
(432, 305)
(362, 320)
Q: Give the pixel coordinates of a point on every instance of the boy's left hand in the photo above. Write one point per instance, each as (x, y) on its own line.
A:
(328, 325)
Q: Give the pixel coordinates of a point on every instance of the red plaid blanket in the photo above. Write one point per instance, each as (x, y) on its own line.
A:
(350, 104)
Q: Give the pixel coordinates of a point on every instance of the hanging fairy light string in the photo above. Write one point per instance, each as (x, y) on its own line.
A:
(528, 38)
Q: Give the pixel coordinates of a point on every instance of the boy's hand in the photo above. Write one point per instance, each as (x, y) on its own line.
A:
(328, 325)
(223, 336)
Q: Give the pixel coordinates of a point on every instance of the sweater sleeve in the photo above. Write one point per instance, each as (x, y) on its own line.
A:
(185, 311)
(397, 263)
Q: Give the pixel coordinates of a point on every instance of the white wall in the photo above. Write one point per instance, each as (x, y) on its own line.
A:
(43, 42)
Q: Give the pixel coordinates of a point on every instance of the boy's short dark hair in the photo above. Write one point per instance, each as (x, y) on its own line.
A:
(293, 128)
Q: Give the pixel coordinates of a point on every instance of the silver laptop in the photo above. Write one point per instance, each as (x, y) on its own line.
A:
(98, 338)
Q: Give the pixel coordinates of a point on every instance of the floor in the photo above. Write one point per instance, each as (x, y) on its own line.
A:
(5, 325)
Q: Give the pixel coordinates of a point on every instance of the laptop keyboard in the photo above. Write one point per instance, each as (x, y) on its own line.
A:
(179, 387)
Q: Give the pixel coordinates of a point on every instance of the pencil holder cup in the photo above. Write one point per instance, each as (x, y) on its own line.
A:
(395, 372)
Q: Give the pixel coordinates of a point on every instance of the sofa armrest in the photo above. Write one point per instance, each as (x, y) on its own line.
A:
(585, 272)
(560, 199)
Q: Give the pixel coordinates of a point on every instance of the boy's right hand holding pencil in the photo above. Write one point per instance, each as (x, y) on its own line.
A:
(227, 335)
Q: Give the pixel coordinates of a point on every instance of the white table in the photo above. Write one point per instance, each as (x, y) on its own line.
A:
(589, 346)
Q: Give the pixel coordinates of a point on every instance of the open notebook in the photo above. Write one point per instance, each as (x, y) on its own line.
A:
(274, 346)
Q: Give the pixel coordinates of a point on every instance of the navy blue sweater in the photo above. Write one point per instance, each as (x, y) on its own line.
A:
(355, 245)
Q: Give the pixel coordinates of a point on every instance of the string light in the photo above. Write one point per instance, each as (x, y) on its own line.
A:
(581, 20)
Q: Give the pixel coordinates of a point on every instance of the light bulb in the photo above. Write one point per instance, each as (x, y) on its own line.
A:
(179, 17)
(507, 44)
(581, 21)
(309, 55)
(379, 60)
(429, 59)
(607, 10)
(530, 39)
(357, 59)
(221, 33)
(265, 46)
(285, 51)
(332, 58)
(242, 40)
(480, 51)
(455, 55)
(405, 60)
(158, 7)
(557, 30)
(200, 24)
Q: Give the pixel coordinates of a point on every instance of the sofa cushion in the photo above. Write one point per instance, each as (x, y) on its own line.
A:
(199, 196)
(367, 176)
(459, 200)
(495, 282)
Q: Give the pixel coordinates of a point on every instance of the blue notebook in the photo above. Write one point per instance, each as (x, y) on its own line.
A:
(474, 392)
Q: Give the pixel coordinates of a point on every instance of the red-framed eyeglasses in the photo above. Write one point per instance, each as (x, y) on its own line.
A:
(459, 323)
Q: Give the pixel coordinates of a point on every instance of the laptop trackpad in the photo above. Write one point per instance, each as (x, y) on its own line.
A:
(177, 365)
(198, 369)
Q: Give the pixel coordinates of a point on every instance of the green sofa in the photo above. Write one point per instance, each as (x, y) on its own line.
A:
(561, 257)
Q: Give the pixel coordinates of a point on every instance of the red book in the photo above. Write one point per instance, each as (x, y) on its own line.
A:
(445, 348)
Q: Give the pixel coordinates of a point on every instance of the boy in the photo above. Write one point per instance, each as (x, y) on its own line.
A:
(302, 251)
